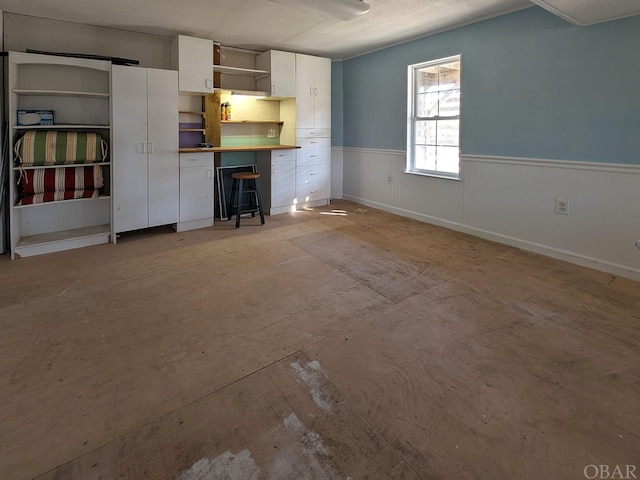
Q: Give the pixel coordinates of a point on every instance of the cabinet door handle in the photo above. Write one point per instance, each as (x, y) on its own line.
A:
(208, 83)
(311, 174)
(311, 91)
(316, 92)
(150, 147)
(273, 88)
(209, 173)
(314, 156)
(313, 191)
(143, 147)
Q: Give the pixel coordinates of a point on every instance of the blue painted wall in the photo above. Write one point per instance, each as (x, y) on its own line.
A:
(533, 86)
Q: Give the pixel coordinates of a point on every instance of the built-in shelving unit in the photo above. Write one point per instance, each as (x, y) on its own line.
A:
(191, 122)
(78, 92)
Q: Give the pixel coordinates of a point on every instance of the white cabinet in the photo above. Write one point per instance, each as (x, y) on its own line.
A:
(313, 92)
(145, 147)
(281, 81)
(65, 208)
(313, 171)
(193, 58)
(196, 190)
(277, 170)
(313, 130)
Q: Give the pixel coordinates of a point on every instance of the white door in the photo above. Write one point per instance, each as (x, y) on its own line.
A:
(195, 64)
(304, 91)
(129, 188)
(283, 74)
(322, 93)
(196, 193)
(163, 168)
(283, 183)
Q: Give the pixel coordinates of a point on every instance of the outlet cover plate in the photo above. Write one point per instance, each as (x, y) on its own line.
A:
(562, 206)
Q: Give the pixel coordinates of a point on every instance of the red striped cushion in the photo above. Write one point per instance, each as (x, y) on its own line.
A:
(55, 196)
(43, 180)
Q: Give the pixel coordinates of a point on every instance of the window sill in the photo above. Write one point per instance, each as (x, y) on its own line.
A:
(443, 176)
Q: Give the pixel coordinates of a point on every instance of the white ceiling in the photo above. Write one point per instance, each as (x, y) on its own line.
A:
(262, 24)
(589, 12)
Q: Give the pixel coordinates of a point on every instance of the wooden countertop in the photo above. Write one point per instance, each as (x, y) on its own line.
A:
(247, 148)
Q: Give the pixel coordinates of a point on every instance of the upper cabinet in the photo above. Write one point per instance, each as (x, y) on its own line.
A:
(313, 92)
(193, 58)
(281, 80)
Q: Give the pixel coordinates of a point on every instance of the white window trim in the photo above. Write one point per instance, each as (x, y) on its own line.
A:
(411, 123)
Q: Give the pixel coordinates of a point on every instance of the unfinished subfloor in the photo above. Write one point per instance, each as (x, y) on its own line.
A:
(348, 344)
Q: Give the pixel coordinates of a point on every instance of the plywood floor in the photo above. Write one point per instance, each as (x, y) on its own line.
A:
(349, 344)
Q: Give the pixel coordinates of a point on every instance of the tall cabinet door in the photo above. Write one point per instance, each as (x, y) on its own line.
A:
(322, 92)
(163, 168)
(129, 148)
(304, 91)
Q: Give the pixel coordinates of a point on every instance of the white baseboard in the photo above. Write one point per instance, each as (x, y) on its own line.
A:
(511, 201)
(571, 257)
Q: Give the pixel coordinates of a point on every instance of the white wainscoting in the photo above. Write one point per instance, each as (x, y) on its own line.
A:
(512, 201)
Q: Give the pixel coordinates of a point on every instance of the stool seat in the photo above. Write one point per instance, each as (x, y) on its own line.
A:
(239, 190)
(245, 175)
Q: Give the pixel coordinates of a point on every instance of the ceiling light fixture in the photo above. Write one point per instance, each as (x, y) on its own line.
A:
(340, 9)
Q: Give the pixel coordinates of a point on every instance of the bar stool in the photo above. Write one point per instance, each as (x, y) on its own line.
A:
(238, 189)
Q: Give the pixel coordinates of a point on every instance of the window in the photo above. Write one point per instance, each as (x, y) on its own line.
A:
(433, 136)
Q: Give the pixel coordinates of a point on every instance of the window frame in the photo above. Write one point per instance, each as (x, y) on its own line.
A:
(412, 119)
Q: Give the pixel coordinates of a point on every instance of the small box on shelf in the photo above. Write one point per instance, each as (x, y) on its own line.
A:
(35, 117)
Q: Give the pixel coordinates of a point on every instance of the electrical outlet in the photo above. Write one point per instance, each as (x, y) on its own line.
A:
(389, 180)
(271, 133)
(562, 206)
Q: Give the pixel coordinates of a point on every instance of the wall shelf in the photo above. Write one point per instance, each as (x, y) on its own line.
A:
(66, 202)
(61, 126)
(62, 93)
(65, 165)
(251, 72)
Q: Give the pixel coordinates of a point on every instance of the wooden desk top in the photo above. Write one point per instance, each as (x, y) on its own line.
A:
(246, 148)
